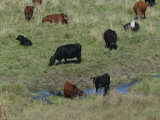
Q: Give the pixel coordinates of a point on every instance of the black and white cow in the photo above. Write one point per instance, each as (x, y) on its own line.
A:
(24, 41)
(110, 38)
(66, 51)
(102, 81)
(133, 26)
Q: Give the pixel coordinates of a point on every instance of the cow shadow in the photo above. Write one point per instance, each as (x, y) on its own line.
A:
(68, 62)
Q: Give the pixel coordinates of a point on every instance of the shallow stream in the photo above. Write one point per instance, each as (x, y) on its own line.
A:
(121, 89)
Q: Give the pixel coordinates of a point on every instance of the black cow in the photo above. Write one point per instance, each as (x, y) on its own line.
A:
(150, 2)
(133, 26)
(24, 41)
(101, 81)
(67, 51)
(110, 38)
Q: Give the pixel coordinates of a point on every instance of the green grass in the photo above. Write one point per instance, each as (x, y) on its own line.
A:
(23, 68)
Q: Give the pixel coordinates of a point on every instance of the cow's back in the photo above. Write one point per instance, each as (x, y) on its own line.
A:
(104, 79)
(54, 18)
(70, 50)
(28, 9)
(110, 36)
(140, 7)
(70, 89)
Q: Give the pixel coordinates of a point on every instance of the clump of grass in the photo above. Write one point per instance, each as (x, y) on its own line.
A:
(4, 113)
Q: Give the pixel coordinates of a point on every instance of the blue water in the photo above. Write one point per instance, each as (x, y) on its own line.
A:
(121, 89)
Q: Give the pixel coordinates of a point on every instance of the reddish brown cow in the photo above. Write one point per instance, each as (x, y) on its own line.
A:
(56, 18)
(28, 12)
(72, 91)
(37, 1)
(140, 9)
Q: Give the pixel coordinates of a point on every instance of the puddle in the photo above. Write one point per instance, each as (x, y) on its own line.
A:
(121, 89)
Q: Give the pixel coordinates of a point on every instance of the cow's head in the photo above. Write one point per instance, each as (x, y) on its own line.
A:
(45, 19)
(122, 29)
(20, 37)
(51, 61)
(94, 79)
(65, 17)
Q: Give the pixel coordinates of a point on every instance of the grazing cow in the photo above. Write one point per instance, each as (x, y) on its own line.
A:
(133, 26)
(67, 51)
(37, 2)
(140, 9)
(28, 12)
(150, 2)
(110, 37)
(56, 18)
(101, 81)
(72, 91)
(24, 41)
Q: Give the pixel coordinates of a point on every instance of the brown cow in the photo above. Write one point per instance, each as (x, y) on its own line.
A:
(140, 9)
(37, 2)
(72, 91)
(28, 12)
(56, 18)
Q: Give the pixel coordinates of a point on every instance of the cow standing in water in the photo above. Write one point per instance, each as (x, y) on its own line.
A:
(56, 18)
(72, 91)
(66, 51)
(102, 81)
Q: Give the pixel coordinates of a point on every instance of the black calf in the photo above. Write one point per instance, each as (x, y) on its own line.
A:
(101, 81)
(24, 41)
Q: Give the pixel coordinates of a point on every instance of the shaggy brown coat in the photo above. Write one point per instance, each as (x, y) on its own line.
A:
(56, 18)
(28, 12)
(140, 9)
(72, 91)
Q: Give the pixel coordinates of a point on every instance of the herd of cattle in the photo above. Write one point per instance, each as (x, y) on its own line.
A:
(74, 50)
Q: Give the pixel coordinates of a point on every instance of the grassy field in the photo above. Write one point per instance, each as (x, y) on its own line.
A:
(25, 69)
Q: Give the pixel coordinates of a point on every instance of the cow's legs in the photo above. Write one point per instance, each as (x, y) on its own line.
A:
(96, 89)
(25, 16)
(110, 46)
(144, 15)
(65, 59)
(107, 86)
(71, 97)
(79, 57)
(105, 89)
(100, 90)
(106, 45)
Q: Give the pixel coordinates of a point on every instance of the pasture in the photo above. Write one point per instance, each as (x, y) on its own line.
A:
(24, 69)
